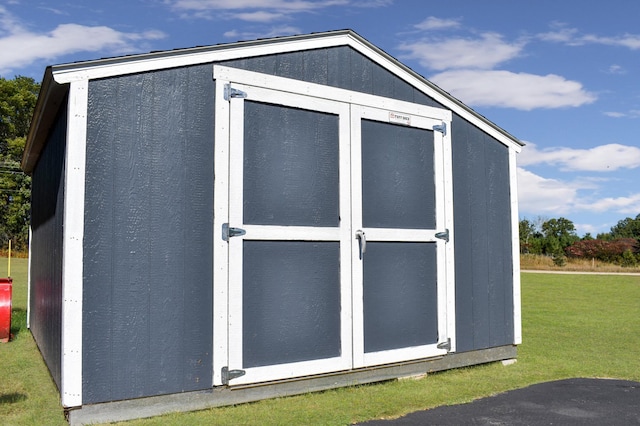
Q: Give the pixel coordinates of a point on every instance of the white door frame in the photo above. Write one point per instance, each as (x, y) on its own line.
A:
(284, 91)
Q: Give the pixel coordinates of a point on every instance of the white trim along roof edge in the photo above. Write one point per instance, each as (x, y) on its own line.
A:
(57, 77)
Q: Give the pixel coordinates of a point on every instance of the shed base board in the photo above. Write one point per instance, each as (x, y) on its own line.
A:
(218, 397)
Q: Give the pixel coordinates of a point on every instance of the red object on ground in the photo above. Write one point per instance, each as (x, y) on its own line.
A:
(5, 309)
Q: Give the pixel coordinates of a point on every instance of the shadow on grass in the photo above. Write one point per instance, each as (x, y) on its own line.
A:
(12, 398)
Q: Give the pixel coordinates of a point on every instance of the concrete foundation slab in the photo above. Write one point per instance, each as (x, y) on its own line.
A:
(218, 397)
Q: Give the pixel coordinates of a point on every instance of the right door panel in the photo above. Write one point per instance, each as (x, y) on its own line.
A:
(398, 208)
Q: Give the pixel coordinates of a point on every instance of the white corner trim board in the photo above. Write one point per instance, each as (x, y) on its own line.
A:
(515, 247)
(72, 249)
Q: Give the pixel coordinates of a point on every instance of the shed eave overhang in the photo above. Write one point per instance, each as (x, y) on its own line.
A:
(49, 101)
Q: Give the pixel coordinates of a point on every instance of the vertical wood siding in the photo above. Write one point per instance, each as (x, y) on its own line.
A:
(484, 283)
(148, 235)
(47, 207)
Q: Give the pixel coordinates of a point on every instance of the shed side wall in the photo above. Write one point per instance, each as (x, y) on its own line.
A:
(484, 263)
(481, 193)
(148, 235)
(47, 207)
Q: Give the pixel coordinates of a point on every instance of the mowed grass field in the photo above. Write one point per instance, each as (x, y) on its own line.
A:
(573, 326)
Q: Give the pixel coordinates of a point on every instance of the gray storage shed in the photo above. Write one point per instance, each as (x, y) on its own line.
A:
(222, 224)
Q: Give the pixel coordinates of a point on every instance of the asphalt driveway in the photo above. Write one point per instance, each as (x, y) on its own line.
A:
(564, 402)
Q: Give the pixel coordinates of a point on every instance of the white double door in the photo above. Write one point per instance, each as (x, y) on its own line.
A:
(335, 233)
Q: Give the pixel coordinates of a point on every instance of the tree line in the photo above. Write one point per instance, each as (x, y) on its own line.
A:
(17, 102)
(557, 238)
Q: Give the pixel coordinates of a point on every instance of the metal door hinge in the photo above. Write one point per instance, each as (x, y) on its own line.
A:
(230, 92)
(228, 232)
(442, 128)
(445, 345)
(231, 374)
(443, 235)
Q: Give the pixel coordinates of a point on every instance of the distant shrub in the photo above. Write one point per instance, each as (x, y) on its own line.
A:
(629, 259)
(560, 260)
(622, 251)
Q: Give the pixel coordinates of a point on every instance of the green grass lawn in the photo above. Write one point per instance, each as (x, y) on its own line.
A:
(28, 396)
(573, 326)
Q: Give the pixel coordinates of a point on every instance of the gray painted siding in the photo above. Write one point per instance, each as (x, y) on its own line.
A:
(482, 217)
(341, 67)
(148, 235)
(47, 207)
(484, 284)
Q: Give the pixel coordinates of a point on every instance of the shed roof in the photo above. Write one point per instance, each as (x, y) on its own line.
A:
(57, 78)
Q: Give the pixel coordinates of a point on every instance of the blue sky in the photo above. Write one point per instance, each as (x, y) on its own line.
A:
(563, 77)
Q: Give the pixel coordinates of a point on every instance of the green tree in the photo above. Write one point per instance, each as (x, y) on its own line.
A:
(17, 102)
(553, 248)
(629, 259)
(526, 231)
(560, 229)
(604, 236)
(627, 228)
(531, 240)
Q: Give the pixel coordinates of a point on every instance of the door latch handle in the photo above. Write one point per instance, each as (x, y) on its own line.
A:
(443, 235)
(228, 232)
(362, 242)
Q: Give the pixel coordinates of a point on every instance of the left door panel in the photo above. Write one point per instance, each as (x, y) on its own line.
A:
(289, 273)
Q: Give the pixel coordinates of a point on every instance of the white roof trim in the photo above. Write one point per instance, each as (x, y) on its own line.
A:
(150, 62)
(162, 60)
(103, 68)
(438, 95)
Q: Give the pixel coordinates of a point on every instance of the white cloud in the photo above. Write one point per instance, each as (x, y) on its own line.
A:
(273, 32)
(21, 47)
(432, 24)
(258, 11)
(485, 52)
(55, 11)
(584, 228)
(513, 90)
(614, 114)
(560, 33)
(261, 10)
(616, 69)
(295, 5)
(630, 41)
(372, 3)
(258, 16)
(540, 196)
(634, 113)
(603, 158)
(629, 205)
(8, 23)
